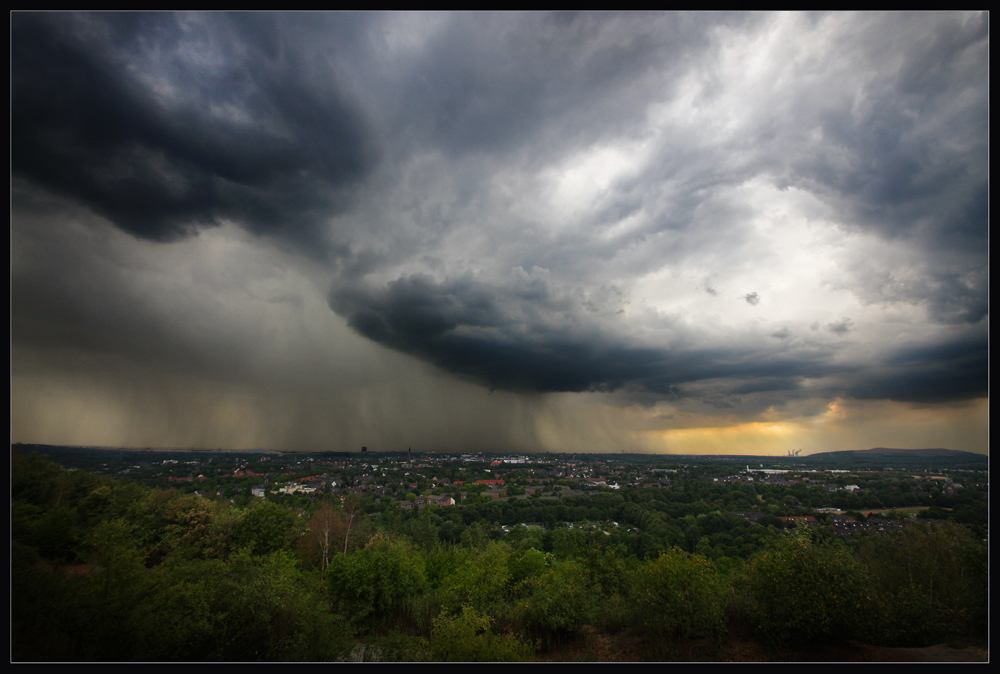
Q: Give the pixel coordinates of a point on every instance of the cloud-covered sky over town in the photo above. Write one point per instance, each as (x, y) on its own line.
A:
(737, 233)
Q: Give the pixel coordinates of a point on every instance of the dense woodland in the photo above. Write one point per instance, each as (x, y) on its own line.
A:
(111, 570)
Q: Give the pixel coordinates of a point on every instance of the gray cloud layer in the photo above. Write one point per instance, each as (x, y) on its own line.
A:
(163, 125)
(538, 203)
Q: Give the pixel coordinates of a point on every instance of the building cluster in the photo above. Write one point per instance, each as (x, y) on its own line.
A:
(792, 494)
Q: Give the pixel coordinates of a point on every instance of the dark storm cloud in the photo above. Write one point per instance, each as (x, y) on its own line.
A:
(948, 295)
(507, 337)
(528, 337)
(885, 164)
(765, 384)
(956, 369)
(841, 327)
(541, 68)
(884, 161)
(163, 122)
(723, 402)
(501, 338)
(878, 159)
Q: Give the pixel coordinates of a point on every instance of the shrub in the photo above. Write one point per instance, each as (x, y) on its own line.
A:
(557, 603)
(482, 580)
(467, 637)
(676, 595)
(802, 592)
(932, 583)
(378, 581)
(264, 528)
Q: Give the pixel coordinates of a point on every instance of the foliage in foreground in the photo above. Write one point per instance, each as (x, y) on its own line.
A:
(374, 584)
(805, 592)
(468, 637)
(677, 595)
(104, 570)
(931, 580)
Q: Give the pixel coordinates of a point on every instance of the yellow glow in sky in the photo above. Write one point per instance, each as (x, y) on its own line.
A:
(846, 425)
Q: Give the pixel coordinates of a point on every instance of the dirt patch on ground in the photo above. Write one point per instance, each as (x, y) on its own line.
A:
(595, 646)
(852, 652)
(938, 653)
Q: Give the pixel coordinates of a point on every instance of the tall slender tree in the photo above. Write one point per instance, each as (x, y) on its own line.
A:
(324, 529)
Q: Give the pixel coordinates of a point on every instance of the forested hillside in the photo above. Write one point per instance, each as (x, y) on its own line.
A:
(113, 570)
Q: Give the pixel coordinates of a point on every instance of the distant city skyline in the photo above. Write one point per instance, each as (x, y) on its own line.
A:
(687, 233)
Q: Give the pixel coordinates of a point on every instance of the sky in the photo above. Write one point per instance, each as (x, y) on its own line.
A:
(581, 232)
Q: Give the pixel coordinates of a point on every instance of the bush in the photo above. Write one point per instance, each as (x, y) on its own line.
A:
(377, 582)
(558, 602)
(802, 592)
(467, 637)
(908, 619)
(264, 528)
(932, 583)
(244, 609)
(676, 595)
(481, 580)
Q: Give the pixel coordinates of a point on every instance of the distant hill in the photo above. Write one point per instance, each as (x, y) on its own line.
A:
(897, 455)
(891, 451)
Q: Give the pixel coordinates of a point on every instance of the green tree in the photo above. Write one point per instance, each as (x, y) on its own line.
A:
(376, 582)
(476, 535)
(187, 520)
(932, 583)
(556, 603)
(51, 530)
(265, 528)
(676, 595)
(247, 608)
(33, 477)
(806, 592)
(482, 580)
(110, 597)
(468, 636)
